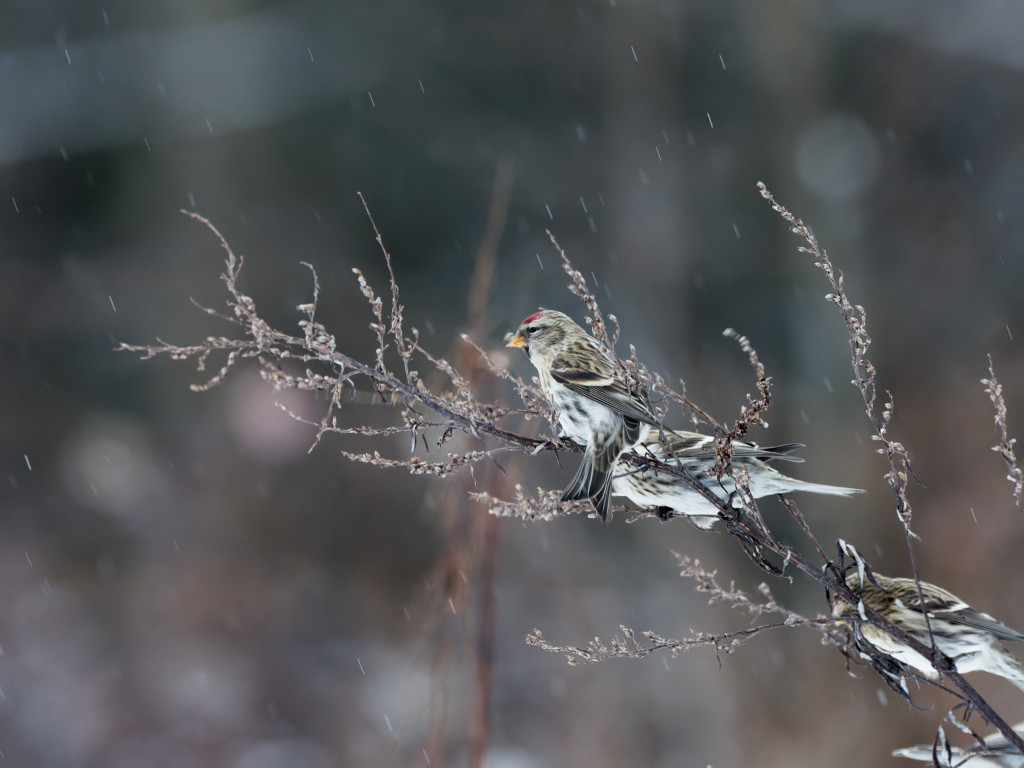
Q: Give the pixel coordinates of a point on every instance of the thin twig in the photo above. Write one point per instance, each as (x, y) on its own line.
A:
(994, 390)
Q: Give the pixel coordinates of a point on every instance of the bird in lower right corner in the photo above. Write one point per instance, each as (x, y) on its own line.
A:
(694, 452)
(970, 638)
(997, 752)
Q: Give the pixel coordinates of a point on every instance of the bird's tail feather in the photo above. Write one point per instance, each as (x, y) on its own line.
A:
(593, 479)
(831, 490)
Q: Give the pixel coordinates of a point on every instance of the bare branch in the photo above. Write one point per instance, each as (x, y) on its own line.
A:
(578, 287)
(994, 390)
(648, 642)
(864, 373)
(545, 506)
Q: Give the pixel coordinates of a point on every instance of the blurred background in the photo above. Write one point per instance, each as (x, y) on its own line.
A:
(186, 585)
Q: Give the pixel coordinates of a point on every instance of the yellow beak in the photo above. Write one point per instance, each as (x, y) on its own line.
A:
(517, 341)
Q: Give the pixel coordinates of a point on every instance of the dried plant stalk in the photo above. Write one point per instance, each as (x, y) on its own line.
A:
(1004, 448)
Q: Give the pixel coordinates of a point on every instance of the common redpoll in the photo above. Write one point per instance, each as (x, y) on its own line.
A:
(970, 638)
(694, 452)
(596, 407)
(997, 752)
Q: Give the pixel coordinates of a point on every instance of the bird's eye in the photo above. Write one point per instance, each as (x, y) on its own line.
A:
(529, 330)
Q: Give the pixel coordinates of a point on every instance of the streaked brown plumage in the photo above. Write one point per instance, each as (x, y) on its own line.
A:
(596, 407)
(970, 638)
(696, 453)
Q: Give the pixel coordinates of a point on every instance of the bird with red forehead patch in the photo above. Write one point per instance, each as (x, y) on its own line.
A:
(596, 407)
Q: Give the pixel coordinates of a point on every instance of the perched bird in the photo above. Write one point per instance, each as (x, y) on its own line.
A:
(970, 638)
(651, 489)
(996, 753)
(596, 407)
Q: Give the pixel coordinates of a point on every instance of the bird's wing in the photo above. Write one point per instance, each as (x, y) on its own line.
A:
(692, 445)
(685, 443)
(605, 388)
(779, 452)
(936, 600)
(945, 605)
(978, 620)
